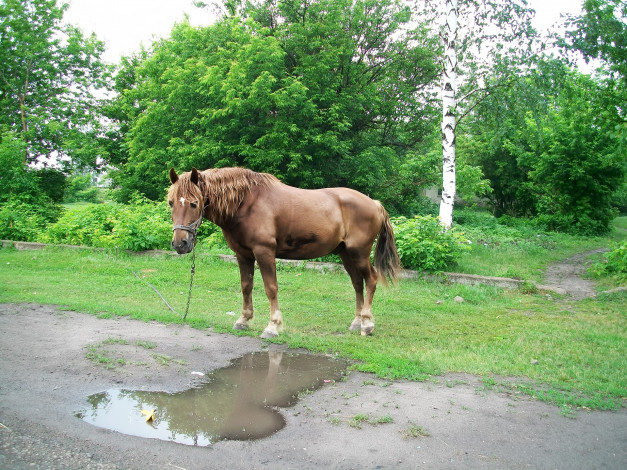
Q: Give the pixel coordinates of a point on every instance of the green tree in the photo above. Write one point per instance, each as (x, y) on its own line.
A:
(48, 74)
(548, 150)
(322, 93)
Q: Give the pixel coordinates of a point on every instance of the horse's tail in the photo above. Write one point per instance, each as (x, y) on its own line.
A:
(386, 260)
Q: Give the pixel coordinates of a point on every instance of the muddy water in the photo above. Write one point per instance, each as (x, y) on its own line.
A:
(240, 402)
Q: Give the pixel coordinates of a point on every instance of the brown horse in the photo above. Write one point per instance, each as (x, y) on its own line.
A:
(263, 219)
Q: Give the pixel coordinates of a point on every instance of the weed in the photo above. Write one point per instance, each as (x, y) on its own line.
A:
(568, 412)
(335, 420)
(414, 432)
(162, 359)
(358, 420)
(110, 340)
(383, 420)
(98, 354)
(146, 344)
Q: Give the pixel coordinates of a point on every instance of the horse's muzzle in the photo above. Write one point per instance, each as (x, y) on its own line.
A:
(183, 245)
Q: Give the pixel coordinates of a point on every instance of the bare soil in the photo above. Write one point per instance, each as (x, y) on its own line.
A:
(45, 377)
(567, 276)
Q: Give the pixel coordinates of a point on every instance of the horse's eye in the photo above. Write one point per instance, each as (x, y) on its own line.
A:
(193, 205)
(171, 203)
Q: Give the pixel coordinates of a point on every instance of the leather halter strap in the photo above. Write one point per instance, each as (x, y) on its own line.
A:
(191, 228)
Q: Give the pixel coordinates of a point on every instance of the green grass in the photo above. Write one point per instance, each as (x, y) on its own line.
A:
(526, 254)
(567, 353)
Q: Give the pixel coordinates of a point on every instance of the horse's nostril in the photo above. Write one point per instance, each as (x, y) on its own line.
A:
(183, 242)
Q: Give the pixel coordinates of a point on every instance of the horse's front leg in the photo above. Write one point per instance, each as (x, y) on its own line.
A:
(267, 265)
(247, 275)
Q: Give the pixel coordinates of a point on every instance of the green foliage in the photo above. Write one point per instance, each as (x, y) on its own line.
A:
(81, 188)
(24, 208)
(615, 263)
(293, 88)
(423, 244)
(22, 220)
(49, 72)
(52, 183)
(549, 150)
(141, 226)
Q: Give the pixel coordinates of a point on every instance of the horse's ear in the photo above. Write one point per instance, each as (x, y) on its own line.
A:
(173, 176)
(194, 175)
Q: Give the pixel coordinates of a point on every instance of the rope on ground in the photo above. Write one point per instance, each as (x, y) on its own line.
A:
(159, 293)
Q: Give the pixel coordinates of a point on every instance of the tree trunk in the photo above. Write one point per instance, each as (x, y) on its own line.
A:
(449, 104)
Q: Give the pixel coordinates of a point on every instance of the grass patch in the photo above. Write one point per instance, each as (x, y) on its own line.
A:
(574, 350)
(98, 354)
(414, 432)
(524, 252)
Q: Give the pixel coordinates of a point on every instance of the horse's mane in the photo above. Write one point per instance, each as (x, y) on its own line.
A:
(221, 189)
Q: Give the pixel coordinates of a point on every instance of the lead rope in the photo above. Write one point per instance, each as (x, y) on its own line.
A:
(191, 278)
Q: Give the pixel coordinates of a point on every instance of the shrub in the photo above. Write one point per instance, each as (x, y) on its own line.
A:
(615, 262)
(423, 244)
(87, 225)
(23, 220)
(143, 225)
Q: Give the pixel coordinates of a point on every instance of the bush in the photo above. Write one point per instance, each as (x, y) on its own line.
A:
(24, 221)
(615, 263)
(81, 188)
(423, 244)
(87, 225)
(143, 225)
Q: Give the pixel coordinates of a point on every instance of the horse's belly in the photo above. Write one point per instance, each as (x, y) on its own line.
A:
(304, 247)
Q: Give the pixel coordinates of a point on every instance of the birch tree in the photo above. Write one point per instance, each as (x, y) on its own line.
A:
(486, 44)
(449, 103)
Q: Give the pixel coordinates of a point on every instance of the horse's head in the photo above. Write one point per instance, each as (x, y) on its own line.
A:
(186, 200)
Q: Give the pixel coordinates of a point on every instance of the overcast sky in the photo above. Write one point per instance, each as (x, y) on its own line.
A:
(125, 24)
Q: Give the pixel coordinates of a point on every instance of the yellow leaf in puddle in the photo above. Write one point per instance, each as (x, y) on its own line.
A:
(149, 414)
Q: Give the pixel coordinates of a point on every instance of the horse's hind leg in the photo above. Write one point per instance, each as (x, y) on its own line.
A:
(370, 277)
(358, 285)
(360, 270)
(247, 274)
(267, 266)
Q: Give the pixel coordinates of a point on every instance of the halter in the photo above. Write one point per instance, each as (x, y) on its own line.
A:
(191, 228)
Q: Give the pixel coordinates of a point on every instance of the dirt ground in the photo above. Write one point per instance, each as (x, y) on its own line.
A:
(46, 376)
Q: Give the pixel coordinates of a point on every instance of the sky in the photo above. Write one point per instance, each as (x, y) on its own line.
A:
(126, 24)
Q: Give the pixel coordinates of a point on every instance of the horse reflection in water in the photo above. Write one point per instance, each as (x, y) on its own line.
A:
(255, 414)
(239, 402)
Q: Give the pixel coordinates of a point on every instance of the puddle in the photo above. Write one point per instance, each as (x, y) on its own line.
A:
(239, 402)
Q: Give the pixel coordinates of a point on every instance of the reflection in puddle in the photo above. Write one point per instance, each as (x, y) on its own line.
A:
(239, 402)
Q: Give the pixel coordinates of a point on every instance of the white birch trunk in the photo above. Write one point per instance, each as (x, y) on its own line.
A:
(449, 104)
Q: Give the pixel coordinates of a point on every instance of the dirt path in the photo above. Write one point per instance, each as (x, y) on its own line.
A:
(567, 276)
(45, 377)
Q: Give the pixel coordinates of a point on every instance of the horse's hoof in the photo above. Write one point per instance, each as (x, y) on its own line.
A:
(367, 329)
(268, 334)
(240, 326)
(356, 325)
